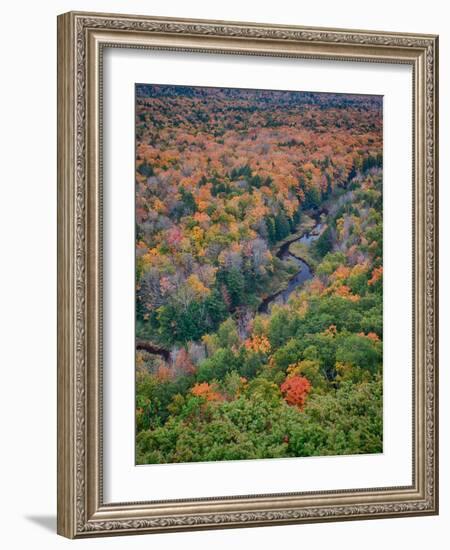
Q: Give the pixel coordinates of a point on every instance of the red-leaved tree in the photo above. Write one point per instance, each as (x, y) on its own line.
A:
(295, 390)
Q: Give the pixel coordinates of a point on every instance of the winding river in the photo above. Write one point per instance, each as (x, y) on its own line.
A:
(303, 274)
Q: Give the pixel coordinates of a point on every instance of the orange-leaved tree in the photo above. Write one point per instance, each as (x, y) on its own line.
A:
(207, 391)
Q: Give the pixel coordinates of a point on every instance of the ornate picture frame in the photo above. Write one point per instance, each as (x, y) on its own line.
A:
(82, 38)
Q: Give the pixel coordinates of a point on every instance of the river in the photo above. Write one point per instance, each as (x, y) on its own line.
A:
(303, 274)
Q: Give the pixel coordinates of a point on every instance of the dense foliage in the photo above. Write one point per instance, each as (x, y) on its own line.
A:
(225, 179)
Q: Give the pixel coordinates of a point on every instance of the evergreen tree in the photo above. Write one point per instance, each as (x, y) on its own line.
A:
(146, 170)
(324, 243)
(270, 224)
(282, 227)
(188, 199)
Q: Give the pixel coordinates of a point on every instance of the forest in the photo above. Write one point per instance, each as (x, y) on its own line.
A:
(259, 274)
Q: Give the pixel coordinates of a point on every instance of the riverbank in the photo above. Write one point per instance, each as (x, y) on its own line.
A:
(306, 225)
(302, 251)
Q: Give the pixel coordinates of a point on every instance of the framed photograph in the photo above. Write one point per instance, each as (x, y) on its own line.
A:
(247, 282)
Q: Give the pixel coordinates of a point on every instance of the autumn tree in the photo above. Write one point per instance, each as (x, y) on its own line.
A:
(295, 390)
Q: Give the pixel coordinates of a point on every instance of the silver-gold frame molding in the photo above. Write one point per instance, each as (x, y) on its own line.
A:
(81, 39)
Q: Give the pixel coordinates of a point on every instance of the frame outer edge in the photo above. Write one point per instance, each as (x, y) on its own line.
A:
(436, 269)
(74, 480)
(66, 524)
